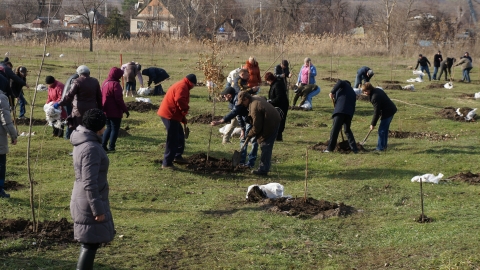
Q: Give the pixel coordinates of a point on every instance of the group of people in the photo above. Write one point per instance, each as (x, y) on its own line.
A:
(445, 65)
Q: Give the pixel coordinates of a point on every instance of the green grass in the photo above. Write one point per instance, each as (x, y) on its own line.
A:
(185, 220)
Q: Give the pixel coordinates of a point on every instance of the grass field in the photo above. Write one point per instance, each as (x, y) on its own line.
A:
(186, 220)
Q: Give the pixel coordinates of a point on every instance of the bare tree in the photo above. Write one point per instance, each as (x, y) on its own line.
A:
(385, 21)
(337, 12)
(25, 10)
(290, 10)
(88, 10)
(359, 15)
(190, 11)
(255, 23)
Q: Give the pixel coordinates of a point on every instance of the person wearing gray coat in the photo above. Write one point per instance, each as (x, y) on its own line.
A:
(8, 128)
(89, 205)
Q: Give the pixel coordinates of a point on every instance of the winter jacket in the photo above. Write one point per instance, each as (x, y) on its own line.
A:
(278, 94)
(85, 94)
(265, 119)
(112, 98)
(9, 74)
(303, 74)
(279, 71)
(236, 110)
(423, 62)
(155, 75)
(6, 121)
(55, 91)
(465, 62)
(68, 84)
(345, 98)
(174, 105)
(304, 91)
(90, 190)
(255, 78)
(382, 105)
(17, 87)
(437, 59)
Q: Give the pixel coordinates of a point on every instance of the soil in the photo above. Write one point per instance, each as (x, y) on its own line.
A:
(451, 113)
(393, 87)
(363, 98)
(123, 132)
(35, 122)
(298, 207)
(308, 125)
(435, 86)
(424, 220)
(297, 108)
(330, 79)
(468, 177)
(392, 82)
(343, 148)
(139, 106)
(467, 96)
(49, 232)
(418, 135)
(12, 185)
(204, 119)
(222, 166)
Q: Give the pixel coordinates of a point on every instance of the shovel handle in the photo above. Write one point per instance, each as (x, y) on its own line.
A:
(368, 134)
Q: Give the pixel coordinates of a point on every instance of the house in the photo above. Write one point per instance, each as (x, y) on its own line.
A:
(38, 24)
(153, 18)
(80, 21)
(231, 30)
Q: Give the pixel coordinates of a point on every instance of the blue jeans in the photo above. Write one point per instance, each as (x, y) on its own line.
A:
(175, 141)
(312, 94)
(68, 130)
(21, 103)
(358, 80)
(130, 86)
(466, 74)
(252, 156)
(267, 147)
(3, 170)
(426, 70)
(435, 70)
(383, 133)
(111, 133)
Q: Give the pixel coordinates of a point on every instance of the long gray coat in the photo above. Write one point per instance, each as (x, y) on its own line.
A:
(7, 124)
(90, 191)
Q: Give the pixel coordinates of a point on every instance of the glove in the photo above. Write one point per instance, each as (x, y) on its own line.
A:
(127, 114)
(55, 105)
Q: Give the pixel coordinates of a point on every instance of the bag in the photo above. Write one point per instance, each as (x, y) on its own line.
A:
(233, 75)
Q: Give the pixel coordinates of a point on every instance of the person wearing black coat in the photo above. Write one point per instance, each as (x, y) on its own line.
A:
(424, 63)
(282, 72)
(6, 69)
(344, 99)
(437, 59)
(446, 65)
(277, 96)
(383, 109)
(156, 75)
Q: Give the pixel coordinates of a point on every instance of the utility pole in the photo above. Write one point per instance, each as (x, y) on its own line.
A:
(260, 12)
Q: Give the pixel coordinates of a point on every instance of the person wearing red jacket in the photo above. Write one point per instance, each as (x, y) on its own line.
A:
(114, 107)
(55, 91)
(172, 111)
(255, 79)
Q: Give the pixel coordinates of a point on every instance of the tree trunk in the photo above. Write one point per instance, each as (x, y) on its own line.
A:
(91, 39)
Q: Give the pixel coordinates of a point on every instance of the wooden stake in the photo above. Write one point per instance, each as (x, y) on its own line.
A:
(421, 198)
(306, 176)
(121, 63)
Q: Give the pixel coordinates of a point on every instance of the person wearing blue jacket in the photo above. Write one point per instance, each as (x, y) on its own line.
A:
(307, 73)
(156, 75)
(363, 74)
(344, 99)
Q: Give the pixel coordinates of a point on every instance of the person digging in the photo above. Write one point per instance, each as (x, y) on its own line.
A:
(307, 92)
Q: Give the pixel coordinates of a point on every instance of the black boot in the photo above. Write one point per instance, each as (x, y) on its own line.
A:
(87, 256)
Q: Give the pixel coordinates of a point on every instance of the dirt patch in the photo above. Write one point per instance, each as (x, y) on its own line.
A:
(435, 86)
(467, 96)
(12, 185)
(123, 132)
(393, 87)
(363, 98)
(297, 108)
(330, 79)
(301, 125)
(468, 177)
(338, 148)
(418, 135)
(204, 119)
(139, 106)
(301, 208)
(222, 166)
(392, 82)
(48, 233)
(451, 113)
(35, 122)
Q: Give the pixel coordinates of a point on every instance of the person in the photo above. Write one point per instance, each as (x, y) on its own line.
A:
(424, 63)
(265, 120)
(384, 109)
(254, 78)
(85, 94)
(466, 67)
(157, 76)
(130, 71)
(68, 108)
(17, 88)
(89, 204)
(229, 95)
(277, 96)
(8, 129)
(307, 73)
(173, 111)
(7, 72)
(241, 83)
(282, 72)
(467, 55)
(437, 59)
(446, 65)
(55, 90)
(344, 99)
(364, 74)
(307, 92)
(114, 107)
(232, 77)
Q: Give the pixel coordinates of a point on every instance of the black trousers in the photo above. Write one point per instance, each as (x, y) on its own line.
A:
(340, 120)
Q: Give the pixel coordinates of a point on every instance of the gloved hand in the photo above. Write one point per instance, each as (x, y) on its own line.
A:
(55, 105)
(127, 114)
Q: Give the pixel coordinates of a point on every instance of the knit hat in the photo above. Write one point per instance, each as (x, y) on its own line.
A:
(49, 80)
(242, 95)
(83, 70)
(22, 70)
(192, 78)
(228, 90)
(94, 120)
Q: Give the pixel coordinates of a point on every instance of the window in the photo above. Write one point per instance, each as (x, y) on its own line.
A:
(140, 24)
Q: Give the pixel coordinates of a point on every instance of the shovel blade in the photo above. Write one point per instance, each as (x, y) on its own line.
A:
(344, 145)
(236, 158)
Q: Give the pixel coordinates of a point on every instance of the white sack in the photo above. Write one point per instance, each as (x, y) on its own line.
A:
(236, 131)
(471, 114)
(42, 87)
(477, 95)
(52, 115)
(418, 72)
(271, 190)
(428, 178)
(409, 87)
(139, 99)
(448, 85)
(357, 91)
(306, 105)
(144, 91)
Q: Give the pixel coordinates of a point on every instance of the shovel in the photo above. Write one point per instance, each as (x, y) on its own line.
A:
(237, 154)
(343, 144)
(366, 137)
(186, 131)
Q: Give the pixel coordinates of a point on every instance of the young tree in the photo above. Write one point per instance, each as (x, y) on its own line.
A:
(88, 10)
(117, 26)
(255, 24)
(24, 10)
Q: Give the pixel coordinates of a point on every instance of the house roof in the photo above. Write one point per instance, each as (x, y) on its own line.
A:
(38, 21)
(160, 12)
(80, 19)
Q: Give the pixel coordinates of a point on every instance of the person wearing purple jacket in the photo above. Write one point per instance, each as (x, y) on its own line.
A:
(114, 107)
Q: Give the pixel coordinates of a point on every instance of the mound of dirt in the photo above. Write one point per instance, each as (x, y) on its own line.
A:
(393, 87)
(418, 135)
(12, 185)
(340, 147)
(311, 208)
(222, 166)
(363, 98)
(451, 113)
(435, 86)
(49, 232)
(123, 132)
(35, 122)
(139, 106)
(467, 96)
(204, 119)
(392, 82)
(330, 79)
(256, 194)
(301, 125)
(468, 177)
